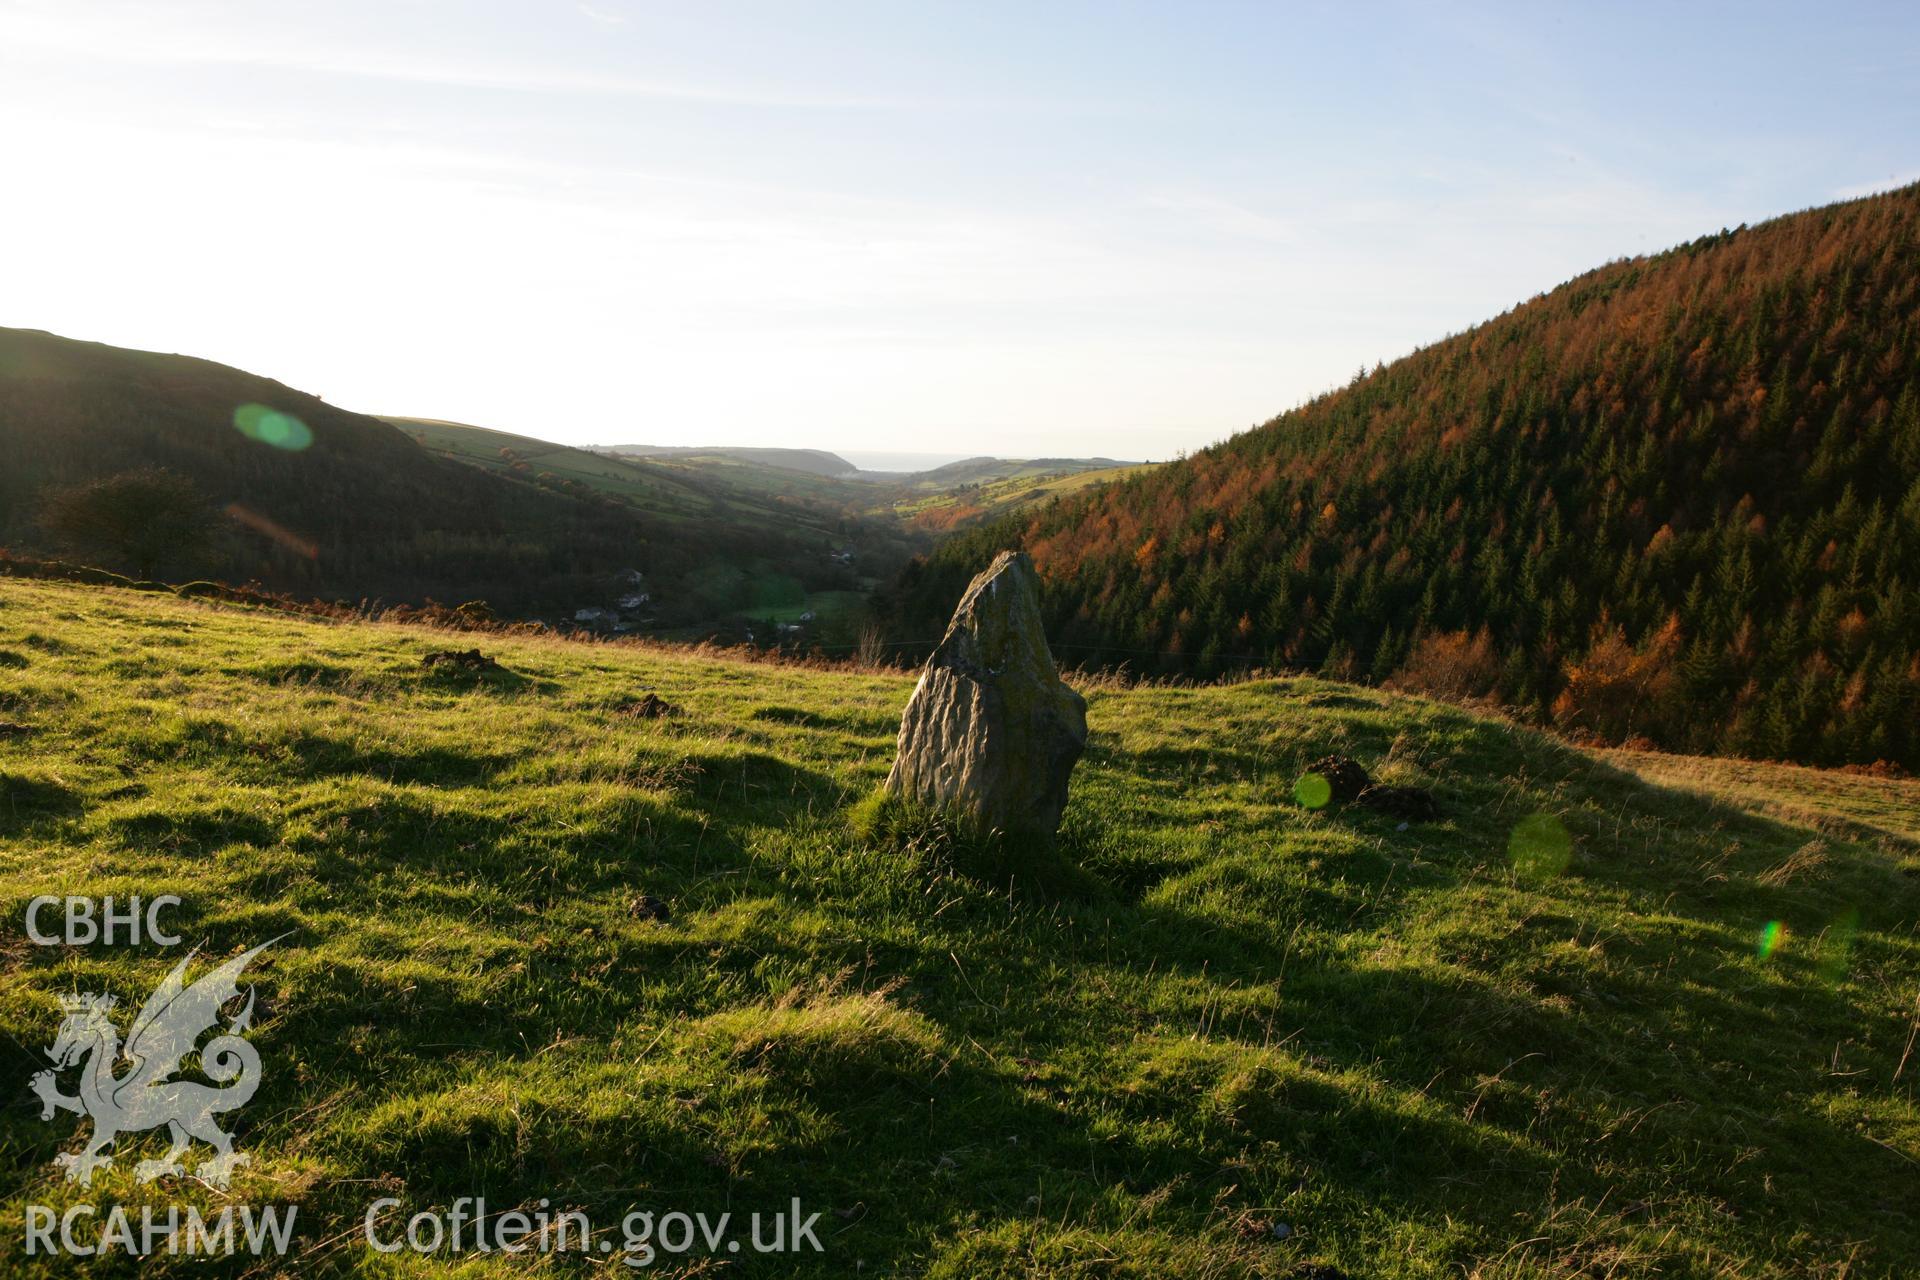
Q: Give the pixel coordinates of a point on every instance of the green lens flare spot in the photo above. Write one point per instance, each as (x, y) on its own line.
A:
(1313, 791)
(1772, 938)
(1539, 848)
(272, 427)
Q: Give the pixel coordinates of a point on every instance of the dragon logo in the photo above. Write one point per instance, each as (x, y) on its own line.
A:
(167, 1029)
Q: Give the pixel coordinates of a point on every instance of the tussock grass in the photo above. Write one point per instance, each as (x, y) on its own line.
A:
(1203, 1014)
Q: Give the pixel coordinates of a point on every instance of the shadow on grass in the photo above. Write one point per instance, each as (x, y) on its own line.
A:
(795, 716)
(317, 755)
(29, 803)
(1189, 764)
(948, 844)
(322, 675)
(730, 785)
(1585, 1027)
(447, 677)
(194, 831)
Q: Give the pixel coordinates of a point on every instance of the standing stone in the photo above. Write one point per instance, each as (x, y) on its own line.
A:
(991, 731)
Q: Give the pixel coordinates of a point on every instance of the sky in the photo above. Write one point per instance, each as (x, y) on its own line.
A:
(1027, 230)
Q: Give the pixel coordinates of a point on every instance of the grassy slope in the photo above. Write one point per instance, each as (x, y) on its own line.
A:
(1255, 1014)
(369, 513)
(818, 462)
(1876, 810)
(671, 479)
(364, 511)
(1024, 485)
(743, 493)
(750, 475)
(668, 488)
(481, 446)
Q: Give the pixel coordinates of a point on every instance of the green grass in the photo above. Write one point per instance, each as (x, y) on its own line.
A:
(1230, 1013)
(767, 480)
(825, 606)
(1017, 485)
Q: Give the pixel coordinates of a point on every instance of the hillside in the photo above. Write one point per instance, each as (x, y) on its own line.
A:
(350, 506)
(936, 501)
(836, 547)
(1601, 1019)
(983, 489)
(653, 488)
(764, 472)
(807, 483)
(1676, 498)
(817, 462)
(983, 470)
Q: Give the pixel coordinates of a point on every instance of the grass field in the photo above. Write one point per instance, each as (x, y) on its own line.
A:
(1029, 484)
(821, 604)
(1214, 1033)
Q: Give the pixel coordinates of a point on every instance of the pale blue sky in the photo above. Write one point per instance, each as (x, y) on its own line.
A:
(1008, 228)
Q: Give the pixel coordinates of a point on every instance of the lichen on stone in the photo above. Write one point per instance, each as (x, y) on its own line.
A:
(992, 732)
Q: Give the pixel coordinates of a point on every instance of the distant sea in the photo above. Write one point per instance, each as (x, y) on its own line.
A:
(900, 461)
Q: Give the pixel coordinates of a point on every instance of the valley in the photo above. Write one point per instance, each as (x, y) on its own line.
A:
(960, 642)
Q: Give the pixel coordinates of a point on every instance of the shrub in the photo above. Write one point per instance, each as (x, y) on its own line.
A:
(1451, 665)
(1618, 691)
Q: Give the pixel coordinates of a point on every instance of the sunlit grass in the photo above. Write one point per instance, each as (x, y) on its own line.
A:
(1540, 1037)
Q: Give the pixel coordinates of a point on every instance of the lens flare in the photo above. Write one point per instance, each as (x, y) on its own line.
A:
(1539, 848)
(1313, 791)
(303, 547)
(272, 427)
(1772, 938)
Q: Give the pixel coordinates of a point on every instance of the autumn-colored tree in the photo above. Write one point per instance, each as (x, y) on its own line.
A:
(1619, 691)
(1452, 665)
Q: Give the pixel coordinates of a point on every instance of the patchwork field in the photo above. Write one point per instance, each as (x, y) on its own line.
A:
(1612, 1015)
(1003, 491)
